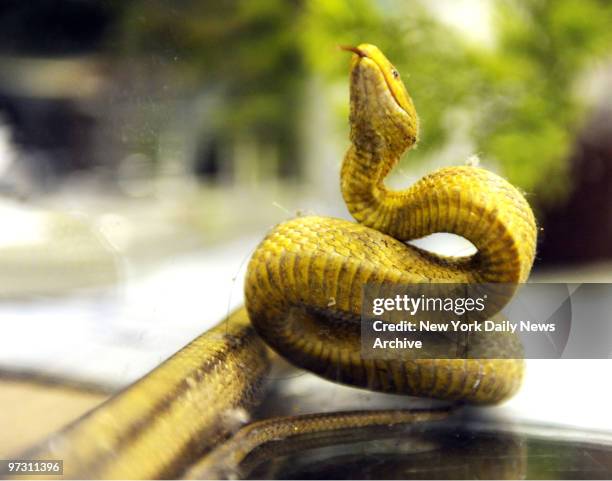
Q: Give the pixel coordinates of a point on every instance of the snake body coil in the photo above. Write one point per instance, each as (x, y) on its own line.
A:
(304, 282)
(303, 297)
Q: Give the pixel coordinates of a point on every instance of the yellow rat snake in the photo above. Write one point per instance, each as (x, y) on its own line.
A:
(306, 275)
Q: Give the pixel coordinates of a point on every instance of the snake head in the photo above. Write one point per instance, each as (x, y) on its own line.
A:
(382, 112)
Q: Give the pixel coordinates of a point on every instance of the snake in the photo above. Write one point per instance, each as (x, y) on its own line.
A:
(303, 295)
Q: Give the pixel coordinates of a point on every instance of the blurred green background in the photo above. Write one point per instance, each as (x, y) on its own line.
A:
(152, 127)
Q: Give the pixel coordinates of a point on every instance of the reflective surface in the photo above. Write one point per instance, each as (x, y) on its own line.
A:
(450, 450)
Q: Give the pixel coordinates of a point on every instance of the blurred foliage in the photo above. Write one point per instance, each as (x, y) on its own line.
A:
(244, 52)
(523, 111)
(533, 114)
(519, 94)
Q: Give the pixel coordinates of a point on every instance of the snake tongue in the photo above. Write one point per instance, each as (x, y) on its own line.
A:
(356, 50)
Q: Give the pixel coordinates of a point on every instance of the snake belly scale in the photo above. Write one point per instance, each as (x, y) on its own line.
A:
(303, 299)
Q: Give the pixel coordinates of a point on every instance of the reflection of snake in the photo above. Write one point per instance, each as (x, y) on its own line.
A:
(435, 450)
(303, 293)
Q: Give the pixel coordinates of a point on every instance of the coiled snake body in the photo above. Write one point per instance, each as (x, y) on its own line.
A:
(305, 279)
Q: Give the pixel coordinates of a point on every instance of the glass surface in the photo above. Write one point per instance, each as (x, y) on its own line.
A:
(430, 451)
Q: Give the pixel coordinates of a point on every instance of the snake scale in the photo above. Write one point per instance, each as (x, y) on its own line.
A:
(306, 278)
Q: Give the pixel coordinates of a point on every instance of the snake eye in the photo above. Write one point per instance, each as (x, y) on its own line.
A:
(395, 73)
